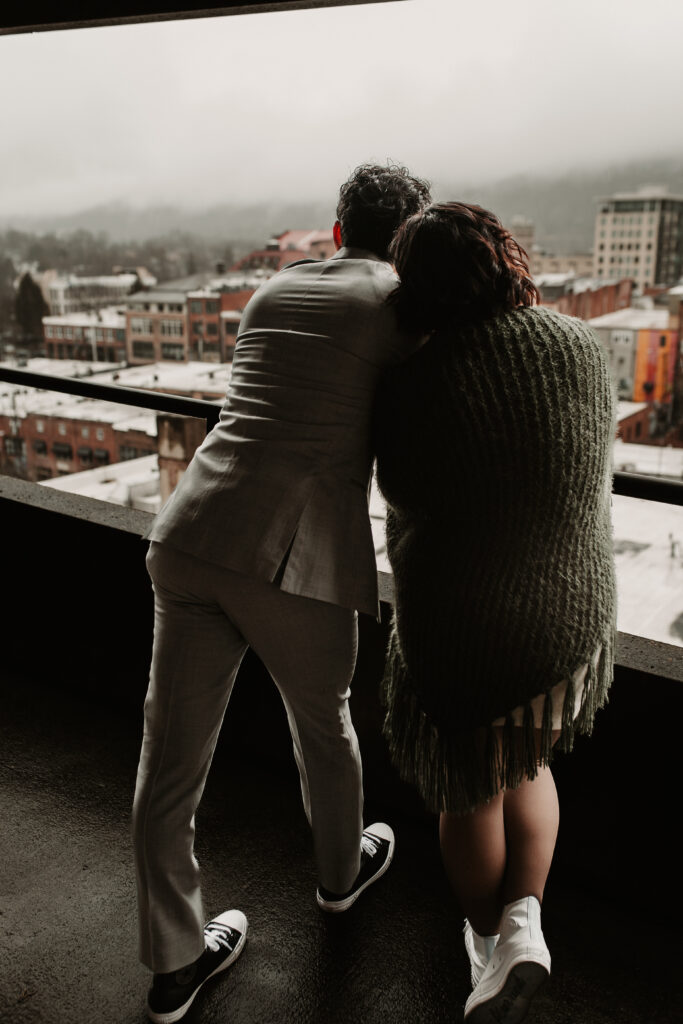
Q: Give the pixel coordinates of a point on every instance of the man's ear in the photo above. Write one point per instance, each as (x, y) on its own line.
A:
(336, 234)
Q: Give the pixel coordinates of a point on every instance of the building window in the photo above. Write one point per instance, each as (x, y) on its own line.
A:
(127, 451)
(211, 306)
(142, 325)
(43, 473)
(14, 445)
(40, 426)
(143, 350)
(99, 433)
(85, 431)
(85, 455)
(195, 307)
(212, 328)
(172, 328)
(61, 429)
(102, 456)
(40, 447)
(171, 351)
(62, 451)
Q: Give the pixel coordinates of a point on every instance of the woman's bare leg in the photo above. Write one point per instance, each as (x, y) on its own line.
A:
(532, 815)
(474, 854)
(502, 851)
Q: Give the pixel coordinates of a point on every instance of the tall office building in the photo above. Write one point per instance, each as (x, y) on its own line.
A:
(640, 235)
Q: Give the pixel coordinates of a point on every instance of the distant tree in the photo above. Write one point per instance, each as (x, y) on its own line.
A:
(7, 276)
(137, 285)
(30, 307)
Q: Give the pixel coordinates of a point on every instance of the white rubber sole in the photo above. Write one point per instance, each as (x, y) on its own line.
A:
(175, 1015)
(510, 1004)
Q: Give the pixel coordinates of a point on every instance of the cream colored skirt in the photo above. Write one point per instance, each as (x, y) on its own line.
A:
(558, 694)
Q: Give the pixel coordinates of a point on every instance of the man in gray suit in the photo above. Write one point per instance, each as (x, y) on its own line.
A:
(266, 542)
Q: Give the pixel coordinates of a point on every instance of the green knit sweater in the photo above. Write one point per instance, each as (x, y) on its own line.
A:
(494, 453)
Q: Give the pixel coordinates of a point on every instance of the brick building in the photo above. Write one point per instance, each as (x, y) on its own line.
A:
(272, 258)
(288, 247)
(156, 327)
(204, 326)
(592, 297)
(45, 435)
(99, 335)
(634, 422)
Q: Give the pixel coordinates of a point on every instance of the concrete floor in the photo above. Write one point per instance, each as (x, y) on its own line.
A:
(67, 902)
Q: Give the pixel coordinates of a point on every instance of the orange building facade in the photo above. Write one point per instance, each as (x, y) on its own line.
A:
(655, 364)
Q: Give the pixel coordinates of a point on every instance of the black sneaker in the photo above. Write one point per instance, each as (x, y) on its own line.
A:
(171, 995)
(377, 850)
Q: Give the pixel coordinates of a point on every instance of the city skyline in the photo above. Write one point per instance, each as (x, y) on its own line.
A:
(283, 106)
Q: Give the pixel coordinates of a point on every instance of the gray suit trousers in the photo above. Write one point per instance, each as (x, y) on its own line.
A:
(205, 618)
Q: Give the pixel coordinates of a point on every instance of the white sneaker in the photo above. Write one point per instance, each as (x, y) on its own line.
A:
(519, 966)
(476, 951)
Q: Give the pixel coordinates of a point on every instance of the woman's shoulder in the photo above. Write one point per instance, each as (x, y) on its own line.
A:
(544, 318)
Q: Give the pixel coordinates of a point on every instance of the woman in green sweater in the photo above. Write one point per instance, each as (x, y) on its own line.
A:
(494, 455)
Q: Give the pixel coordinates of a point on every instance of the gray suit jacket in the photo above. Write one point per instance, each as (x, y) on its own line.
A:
(280, 486)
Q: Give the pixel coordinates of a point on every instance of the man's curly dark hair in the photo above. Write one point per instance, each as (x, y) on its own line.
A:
(375, 201)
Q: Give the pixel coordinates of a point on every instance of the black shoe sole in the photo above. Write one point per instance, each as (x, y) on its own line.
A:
(511, 1004)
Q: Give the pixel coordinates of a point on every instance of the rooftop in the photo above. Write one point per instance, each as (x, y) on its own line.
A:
(16, 401)
(159, 295)
(124, 280)
(626, 409)
(134, 483)
(634, 319)
(181, 378)
(60, 367)
(109, 316)
(643, 192)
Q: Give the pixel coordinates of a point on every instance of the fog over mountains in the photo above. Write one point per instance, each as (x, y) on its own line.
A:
(561, 207)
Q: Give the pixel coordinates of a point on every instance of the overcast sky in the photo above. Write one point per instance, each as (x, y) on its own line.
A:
(284, 105)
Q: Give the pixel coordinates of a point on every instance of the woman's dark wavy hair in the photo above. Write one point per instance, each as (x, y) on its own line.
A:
(374, 201)
(456, 262)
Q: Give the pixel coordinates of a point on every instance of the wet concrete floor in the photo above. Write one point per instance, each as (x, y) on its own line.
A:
(67, 901)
